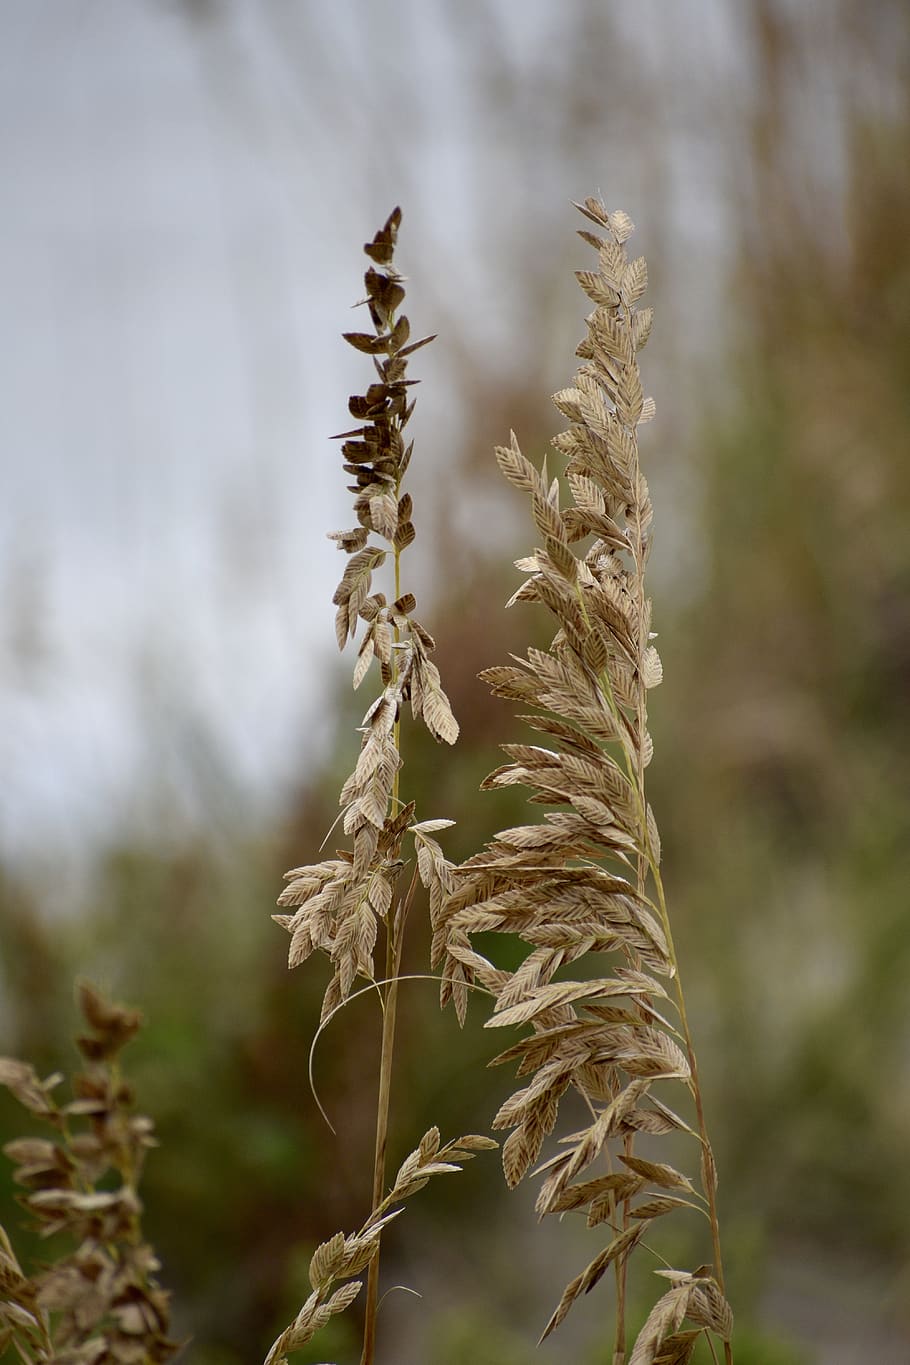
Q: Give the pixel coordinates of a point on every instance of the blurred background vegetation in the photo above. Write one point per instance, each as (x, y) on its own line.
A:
(762, 147)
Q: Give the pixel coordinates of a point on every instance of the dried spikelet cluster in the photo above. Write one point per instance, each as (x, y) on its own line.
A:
(605, 1038)
(342, 1257)
(99, 1303)
(337, 904)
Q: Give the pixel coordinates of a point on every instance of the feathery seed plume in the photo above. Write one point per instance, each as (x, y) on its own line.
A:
(336, 905)
(587, 879)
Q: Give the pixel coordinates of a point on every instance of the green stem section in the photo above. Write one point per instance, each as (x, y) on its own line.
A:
(622, 1276)
(394, 941)
(394, 945)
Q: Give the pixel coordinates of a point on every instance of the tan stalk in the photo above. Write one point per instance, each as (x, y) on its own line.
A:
(394, 946)
(709, 1182)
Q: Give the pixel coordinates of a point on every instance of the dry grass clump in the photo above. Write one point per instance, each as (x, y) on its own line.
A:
(587, 879)
(99, 1302)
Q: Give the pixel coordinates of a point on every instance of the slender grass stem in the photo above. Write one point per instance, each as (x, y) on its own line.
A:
(394, 943)
(709, 1183)
(394, 946)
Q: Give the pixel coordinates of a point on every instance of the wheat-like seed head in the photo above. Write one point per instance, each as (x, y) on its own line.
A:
(335, 905)
(608, 1038)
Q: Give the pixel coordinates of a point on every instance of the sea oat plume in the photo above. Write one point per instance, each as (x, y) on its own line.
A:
(587, 878)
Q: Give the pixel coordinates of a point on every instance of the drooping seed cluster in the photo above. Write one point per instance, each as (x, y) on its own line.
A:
(605, 1038)
(336, 905)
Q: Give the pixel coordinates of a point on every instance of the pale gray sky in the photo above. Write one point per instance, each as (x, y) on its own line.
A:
(185, 188)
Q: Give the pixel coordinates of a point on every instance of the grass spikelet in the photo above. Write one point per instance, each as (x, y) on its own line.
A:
(338, 1260)
(587, 879)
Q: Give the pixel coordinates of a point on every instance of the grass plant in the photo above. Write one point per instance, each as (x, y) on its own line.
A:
(581, 885)
(339, 906)
(586, 880)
